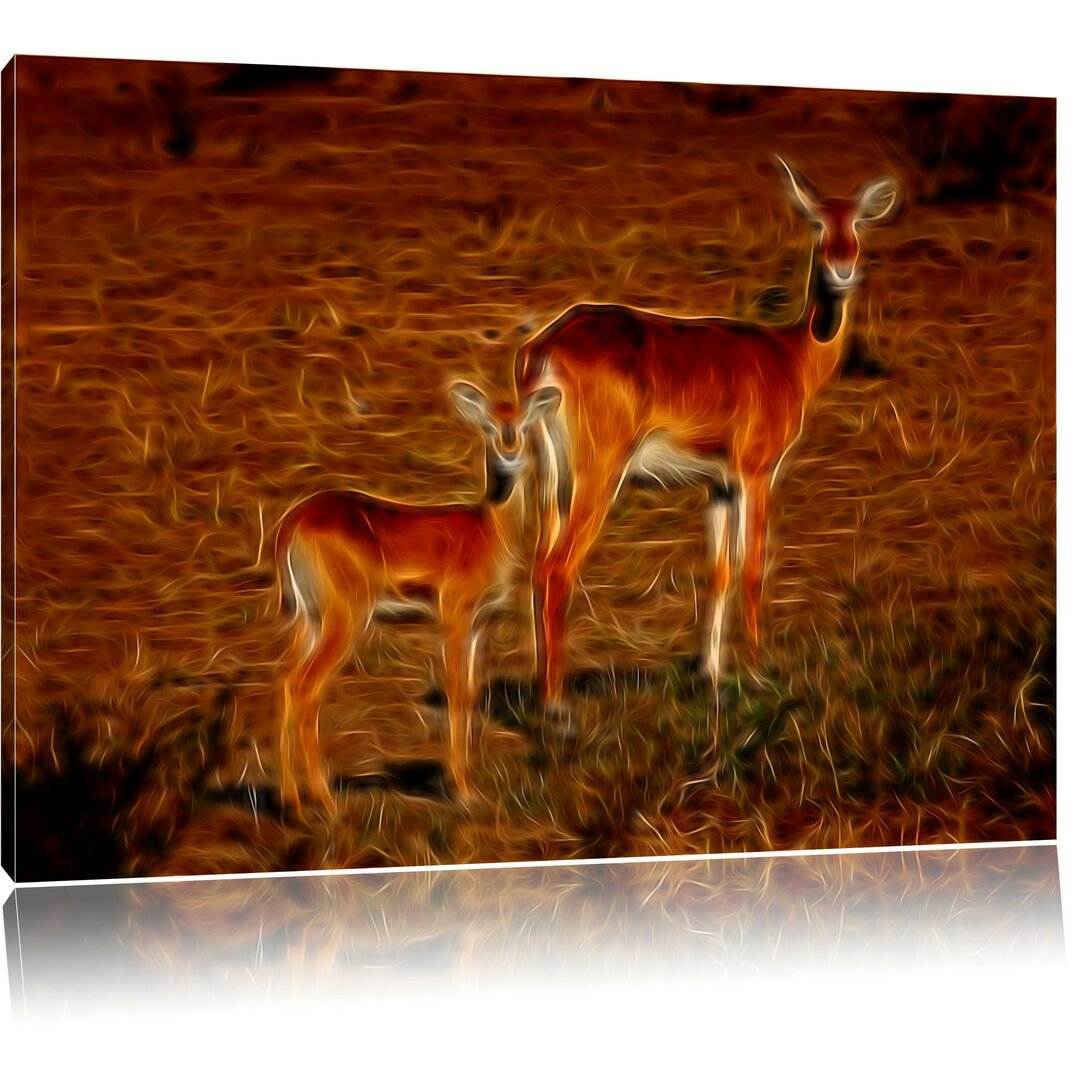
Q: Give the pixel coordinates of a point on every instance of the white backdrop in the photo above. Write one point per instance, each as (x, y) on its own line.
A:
(896, 1021)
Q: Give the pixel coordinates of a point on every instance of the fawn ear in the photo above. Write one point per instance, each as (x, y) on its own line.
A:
(878, 201)
(802, 194)
(472, 405)
(546, 400)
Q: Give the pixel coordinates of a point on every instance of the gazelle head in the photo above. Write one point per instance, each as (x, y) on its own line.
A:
(839, 222)
(505, 427)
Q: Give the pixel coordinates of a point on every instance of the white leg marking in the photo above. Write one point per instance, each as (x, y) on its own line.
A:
(549, 497)
(470, 663)
(294, 586)
(303, 608)
(719, 534)
(714, 663)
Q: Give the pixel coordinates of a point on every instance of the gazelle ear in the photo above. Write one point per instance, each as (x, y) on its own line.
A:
(802, 194)
(546, 400)
(877, 201)
(472, 405)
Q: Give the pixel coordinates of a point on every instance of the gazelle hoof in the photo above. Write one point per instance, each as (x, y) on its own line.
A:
(699, 675)
(315, 803)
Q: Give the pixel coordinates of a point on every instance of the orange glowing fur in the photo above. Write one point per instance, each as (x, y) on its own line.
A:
(705, 399)
(339, 551)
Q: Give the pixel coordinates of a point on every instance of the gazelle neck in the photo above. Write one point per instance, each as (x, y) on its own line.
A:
(504, 504)
(825, 323)
(503, 494)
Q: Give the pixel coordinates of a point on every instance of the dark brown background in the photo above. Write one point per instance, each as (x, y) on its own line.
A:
(240, 286)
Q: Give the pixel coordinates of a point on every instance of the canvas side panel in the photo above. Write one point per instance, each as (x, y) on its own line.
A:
(13, 947)
(1051, 379)
(7, 459)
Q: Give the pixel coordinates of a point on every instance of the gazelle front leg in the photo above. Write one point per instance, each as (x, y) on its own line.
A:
(723, 518)
(755, 508)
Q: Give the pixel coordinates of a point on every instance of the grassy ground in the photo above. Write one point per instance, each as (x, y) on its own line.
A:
(236, 290)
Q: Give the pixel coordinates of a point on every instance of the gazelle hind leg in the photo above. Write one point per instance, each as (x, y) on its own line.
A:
(555, 484)
(560, 478)
(299, 588)
(324, 638)
(603, 434)
(289, 736)
(557, 572)
(303, 691)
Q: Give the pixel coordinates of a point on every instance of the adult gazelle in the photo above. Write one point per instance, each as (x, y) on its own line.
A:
(685, 400)
(340, 552)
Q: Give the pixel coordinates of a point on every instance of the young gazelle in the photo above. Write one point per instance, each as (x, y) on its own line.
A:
(339, 552)
(685, 400)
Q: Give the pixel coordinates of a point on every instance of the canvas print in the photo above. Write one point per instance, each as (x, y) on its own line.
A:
(407, 469)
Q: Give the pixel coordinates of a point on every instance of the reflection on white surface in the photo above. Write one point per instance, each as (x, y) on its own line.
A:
(78, 947)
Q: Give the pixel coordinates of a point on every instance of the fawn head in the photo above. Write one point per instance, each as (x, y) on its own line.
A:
(505, 428)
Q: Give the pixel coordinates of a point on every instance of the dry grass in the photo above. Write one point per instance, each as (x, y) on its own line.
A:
(234, 295)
